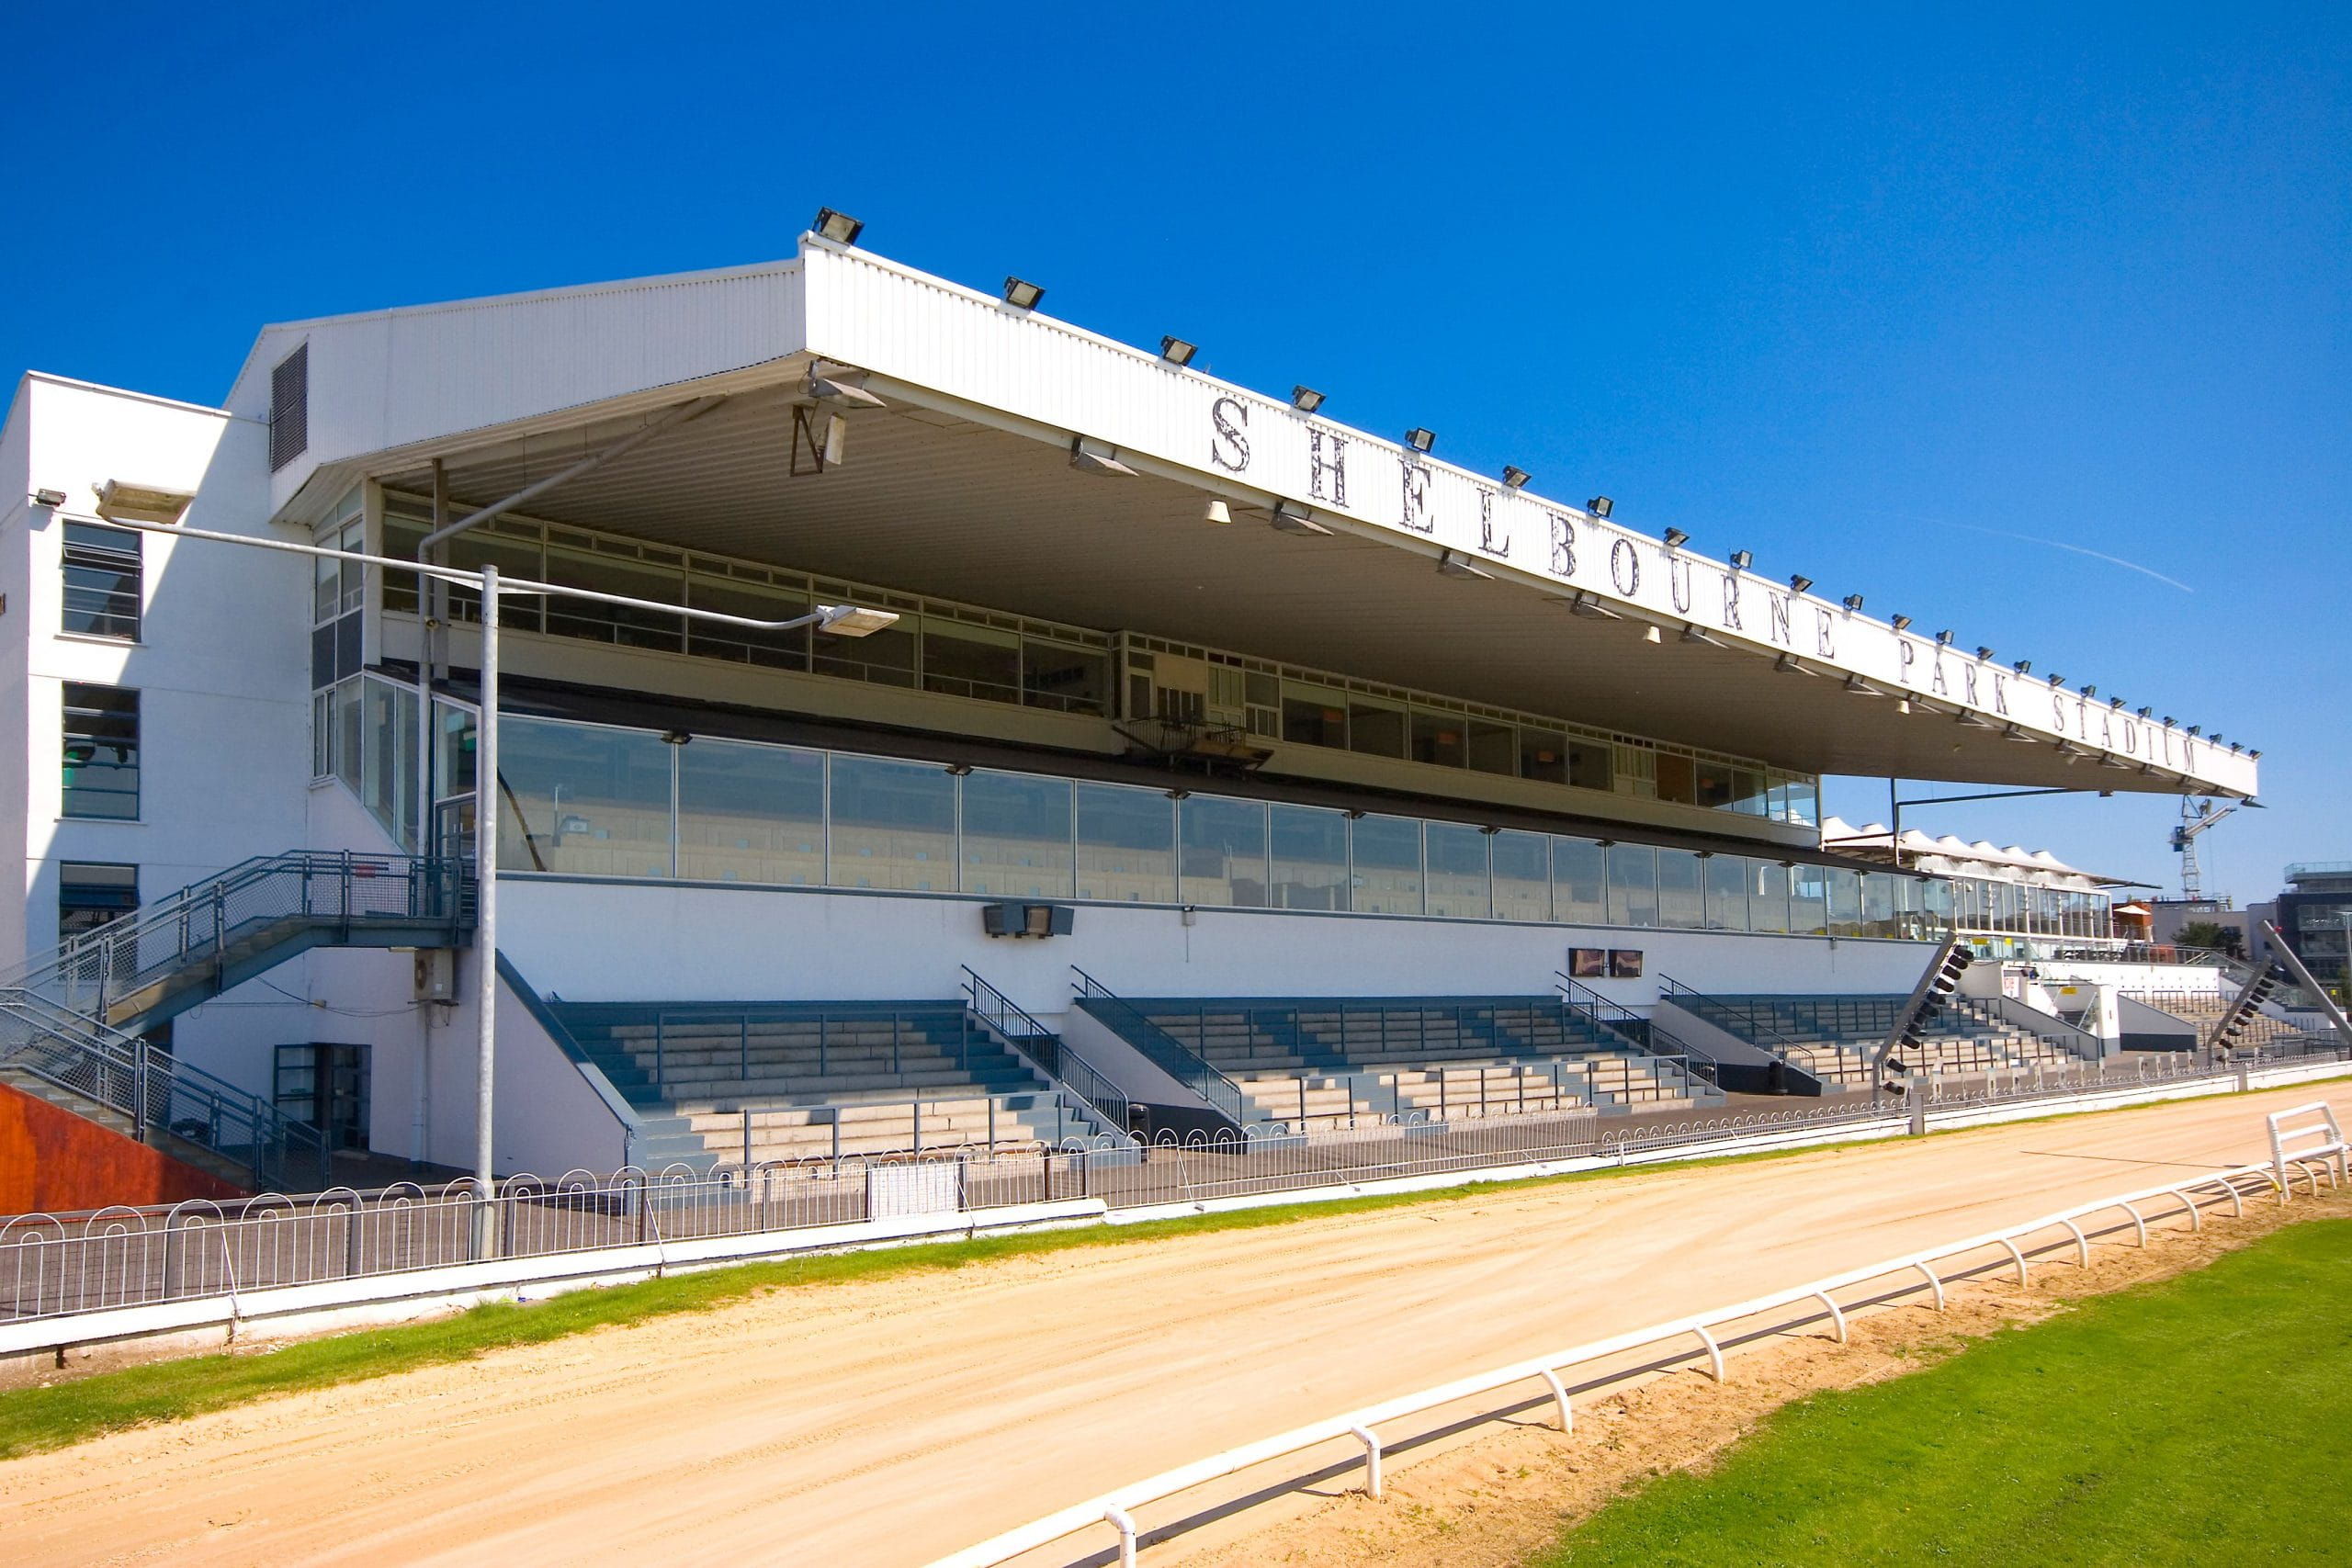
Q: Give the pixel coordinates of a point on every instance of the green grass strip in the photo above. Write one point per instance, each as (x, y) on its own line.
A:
(2196, 1420)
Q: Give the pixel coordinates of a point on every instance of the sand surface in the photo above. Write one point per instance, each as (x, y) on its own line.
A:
(888, 1421)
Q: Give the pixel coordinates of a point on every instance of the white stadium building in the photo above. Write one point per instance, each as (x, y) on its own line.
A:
(1163, 755)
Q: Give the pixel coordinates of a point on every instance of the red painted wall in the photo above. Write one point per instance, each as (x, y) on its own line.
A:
(52, 1160)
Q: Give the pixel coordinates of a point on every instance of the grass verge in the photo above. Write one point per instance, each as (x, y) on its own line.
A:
(2196, 1420)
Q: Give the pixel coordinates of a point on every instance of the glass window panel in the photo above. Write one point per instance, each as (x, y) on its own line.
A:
(1749, 795)
(350, 727)
(582, 799)
(1677, 778)
(514, 558)
(1845, 902)
(1727, 893)
(894, 825)
(1522, 876)
(1387, 864)
(1878, 903)
(1717, 783)
(1068, 680)
(1314, 718)
(1544, 754)
(1633, 884)
(1017, 835)
(1494, 747)
(594, 622)
(1805, 802)
(886, 658)
(1580, 881)
(1768, 895)
(753, 602)
(1440, 737)
(101, 751)
(391, 761)
(102, 581)
(1310, 853)
(401, 537)
(1680, 902)
(1127, 844)
(750, 813)
(1592, 765)
(1224, 852)
(1458, 885)
(970, 662)
(1375, 730)
(1809, 901)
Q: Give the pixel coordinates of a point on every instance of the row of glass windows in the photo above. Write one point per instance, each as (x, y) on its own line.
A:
(592, 800)
(1981, 906)
(988, 655)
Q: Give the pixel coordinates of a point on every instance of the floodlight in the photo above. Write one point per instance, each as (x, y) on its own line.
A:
(854, 620)
(1787, 665)
(1515, 477)
(841, 386)
(1217, 512)
(1983, 651)
(1177, 352)
(2090, 690)
(838, 227)
(1943, 639)
(2256, 753)
(2023, 667)
(2167, 721)
(1291, 519)
(1452, 565)
(2145, 712)
(1420, 440)
(49, 498)
(1690, 633)
(1097, 458)
(120, 502)
(2233, 745)
(836, 442)
(1584, 604)
(1742, 559)
(1799, 581)
(1854, 602)
(1601, 506)
(2057, 680)
(1902, 623)
(1022, 295)
(1649, 634)
(1676, 538)
(676, 738)
(2196, 729)
(2117, 703)
(1306, 399)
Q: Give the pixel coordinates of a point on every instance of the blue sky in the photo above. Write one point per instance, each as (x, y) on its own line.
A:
(1907, 303)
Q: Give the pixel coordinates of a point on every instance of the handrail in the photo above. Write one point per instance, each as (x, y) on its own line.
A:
(1116, 1507)
(1166, 1051)
(1779, 1044)
(1612, 1017)
(1073, 1071)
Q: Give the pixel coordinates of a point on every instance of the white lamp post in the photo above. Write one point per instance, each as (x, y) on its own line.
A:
(844, 620)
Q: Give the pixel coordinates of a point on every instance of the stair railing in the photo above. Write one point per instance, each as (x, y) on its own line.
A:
(1643, 1035)
(1171, 1054)
(1754, 1030)
(1109, 1103)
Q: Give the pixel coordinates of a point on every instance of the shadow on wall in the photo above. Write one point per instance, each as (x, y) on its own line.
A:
(53, 1161)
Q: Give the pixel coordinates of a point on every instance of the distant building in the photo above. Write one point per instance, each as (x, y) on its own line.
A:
(2313, 914)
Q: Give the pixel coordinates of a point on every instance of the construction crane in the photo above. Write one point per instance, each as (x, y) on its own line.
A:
(2197, 815)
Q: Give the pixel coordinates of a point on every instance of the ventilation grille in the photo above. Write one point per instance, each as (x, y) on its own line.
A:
(289, 407)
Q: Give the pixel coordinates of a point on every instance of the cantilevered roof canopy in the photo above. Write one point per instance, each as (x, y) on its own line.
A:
(962, 485)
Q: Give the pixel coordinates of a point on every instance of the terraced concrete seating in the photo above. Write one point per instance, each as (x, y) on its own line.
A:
(2205, 1009)
(1835, 1037)
(786, 1080)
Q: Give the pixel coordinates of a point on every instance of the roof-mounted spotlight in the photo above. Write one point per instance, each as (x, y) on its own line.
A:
(2167, 721)
(1293, 519)
(2090, 690)
(1601, 506)
(2256, 753)
(1692, 633)
(1742, 559)
(1306, 399)
(2233, 746)
(2196, 729)
(1943, 638)
(1217, 512)
(2057, 680)
(2117, 703)
(1452, 565)
(2023, 667)
(1021, 294)
(1901, 622)
(1676, 538)
(1584, 604)
(1177, 352)
(1799, 581)
(2145, 712)
(1983, 651)
(1854, 602)
(1420, 440)
(1515, 477)
(51, 498)
(1860, 687)
(838, 227)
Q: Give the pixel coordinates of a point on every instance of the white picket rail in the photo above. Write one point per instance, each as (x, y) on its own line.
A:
(1117, 1508)
(2314, 1141)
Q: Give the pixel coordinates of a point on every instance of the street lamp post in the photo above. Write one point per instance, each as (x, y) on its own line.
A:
(845, 620)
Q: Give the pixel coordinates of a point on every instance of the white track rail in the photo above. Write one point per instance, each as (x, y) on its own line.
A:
(2017, 1243)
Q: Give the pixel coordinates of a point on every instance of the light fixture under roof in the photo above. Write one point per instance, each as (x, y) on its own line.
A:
(1601, 506)
(1292, 519)
(1177, 352)
(838, 227)
(1449, 564)
(1217, 512)
(1692, 632)
(844, 387)
(1676, 538)
(49, 498)
(1860, 687)
(1515, 477)
(1787, 665)
(2016, 732)
(1306, 399)
(1420, 440)
(1973, 720)
(1021, 294)
(122, 502)
(1586, 605)
(854, 620)
(1742, 559)
(1092, 456)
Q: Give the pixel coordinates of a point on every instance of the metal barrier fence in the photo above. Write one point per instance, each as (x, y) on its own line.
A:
(53, 1266)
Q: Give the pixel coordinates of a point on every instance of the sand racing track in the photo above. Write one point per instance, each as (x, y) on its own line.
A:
(888, 1421)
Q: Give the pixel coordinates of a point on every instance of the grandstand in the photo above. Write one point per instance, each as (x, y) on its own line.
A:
(1333, 752)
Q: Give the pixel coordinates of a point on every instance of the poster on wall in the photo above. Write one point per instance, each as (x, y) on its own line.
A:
(1588, 963)
(1624, 963)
